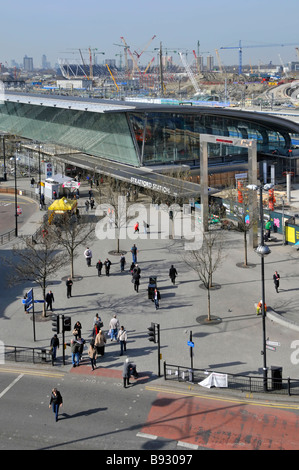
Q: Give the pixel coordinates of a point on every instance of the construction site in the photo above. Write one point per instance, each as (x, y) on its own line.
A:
(150, 73)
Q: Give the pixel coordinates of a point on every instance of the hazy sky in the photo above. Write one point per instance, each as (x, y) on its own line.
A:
(53, 27)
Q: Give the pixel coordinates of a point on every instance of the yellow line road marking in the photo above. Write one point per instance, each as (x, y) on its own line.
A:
(38, 373)
(223, 399)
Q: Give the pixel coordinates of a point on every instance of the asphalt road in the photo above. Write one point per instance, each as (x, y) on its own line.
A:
(7, 211)
(99, 414)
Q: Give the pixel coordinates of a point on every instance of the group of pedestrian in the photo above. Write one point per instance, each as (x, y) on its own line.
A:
(99, 266)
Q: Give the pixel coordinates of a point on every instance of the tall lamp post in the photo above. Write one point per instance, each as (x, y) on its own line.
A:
(263, 250)
(16, 193)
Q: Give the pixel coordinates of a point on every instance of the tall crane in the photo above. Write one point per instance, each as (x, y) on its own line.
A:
(125, 53)
(189, 72)
(145, 47)
(219, 61)
(240, 48)
(131, 55)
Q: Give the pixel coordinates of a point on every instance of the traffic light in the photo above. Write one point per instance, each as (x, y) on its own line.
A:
(152, 333)
(55, 324)
(67, 324)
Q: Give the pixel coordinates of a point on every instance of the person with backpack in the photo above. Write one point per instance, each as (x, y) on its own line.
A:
(88, 256)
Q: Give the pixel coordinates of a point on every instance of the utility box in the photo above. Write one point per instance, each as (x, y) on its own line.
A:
(276, 377)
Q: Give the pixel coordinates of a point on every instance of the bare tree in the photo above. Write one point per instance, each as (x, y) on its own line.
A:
(114, 203)
(72, 233)
(206, 260)
(36, 261)
(240, 210)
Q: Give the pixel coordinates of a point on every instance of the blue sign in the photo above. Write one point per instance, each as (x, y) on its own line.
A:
(191, 344)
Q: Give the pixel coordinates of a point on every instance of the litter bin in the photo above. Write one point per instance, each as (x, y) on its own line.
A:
(152, 286)
(276, 376)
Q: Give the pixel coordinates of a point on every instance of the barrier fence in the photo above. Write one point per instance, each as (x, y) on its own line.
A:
(244, 383)
(24, 354)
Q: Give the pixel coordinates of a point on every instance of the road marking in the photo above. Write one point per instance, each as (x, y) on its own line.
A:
(146, 436)
(224, 399)
(29, 372)
(11, 385)
(187, 444)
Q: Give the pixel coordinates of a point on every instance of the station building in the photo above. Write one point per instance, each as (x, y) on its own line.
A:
(152, 137)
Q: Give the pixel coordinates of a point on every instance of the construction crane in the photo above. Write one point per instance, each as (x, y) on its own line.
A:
(149, 64)
(219, 61)
(145, 48)
(131, 55)
(117, 87)
(283, 67)
(125, 53)
(240, 48)
(189, 72)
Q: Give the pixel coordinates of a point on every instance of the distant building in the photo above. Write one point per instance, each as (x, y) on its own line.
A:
(28, 64)
(210, 63)
(294, 66)
(45, 64)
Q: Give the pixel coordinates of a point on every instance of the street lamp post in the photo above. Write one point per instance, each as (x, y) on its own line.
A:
(16, 194)
(262, 250)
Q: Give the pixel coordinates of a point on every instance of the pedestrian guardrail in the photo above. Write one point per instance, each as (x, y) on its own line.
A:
(244, 383)
(26, 354)
(7, 237)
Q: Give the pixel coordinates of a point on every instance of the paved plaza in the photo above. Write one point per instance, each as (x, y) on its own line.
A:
(232, 343)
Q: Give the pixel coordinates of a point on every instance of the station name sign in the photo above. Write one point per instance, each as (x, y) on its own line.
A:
(148, 184)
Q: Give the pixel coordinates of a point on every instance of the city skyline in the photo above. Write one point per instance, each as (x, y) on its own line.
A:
(60, 29)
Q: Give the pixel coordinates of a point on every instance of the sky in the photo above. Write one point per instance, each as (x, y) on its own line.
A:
(58, 28)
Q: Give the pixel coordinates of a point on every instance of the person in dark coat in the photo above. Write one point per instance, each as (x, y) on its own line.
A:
(173, 274)
(69, 284)
(56, 402)
(50, 300)
(54, 345)
(126, 372)
(99, 266)
(276, 278)
(107, 264)
(136, 280)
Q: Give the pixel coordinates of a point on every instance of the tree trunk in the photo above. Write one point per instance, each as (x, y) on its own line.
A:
(209, 305)
(44, 314)
(245, 247)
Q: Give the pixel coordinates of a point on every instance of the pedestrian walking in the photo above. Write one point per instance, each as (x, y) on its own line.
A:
(75, 347)
(122, 338)
(107, 264)
(136, 227)
(122, 262)
(56, 402)
(134, 252)
(136, 280)
(173, 274)
(126, 373)
(77, 330)
(276, 278)
(88, 256)
(157, 298)
(97, 325)
(69, 284)
(86, 205)
(92, 203)
(92, 353)
(54, 343)
(113, 327)
(100, 342)
(49, 300)
(145, 226)
(99, 267)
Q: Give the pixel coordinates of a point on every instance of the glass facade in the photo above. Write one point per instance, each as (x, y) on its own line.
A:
(174, 137)
(99, 134)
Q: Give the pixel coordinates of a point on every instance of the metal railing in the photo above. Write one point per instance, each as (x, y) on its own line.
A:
(244, 383)
(25, 354)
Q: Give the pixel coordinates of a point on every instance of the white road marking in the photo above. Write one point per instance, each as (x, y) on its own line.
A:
(11, 385)
(146, 436)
